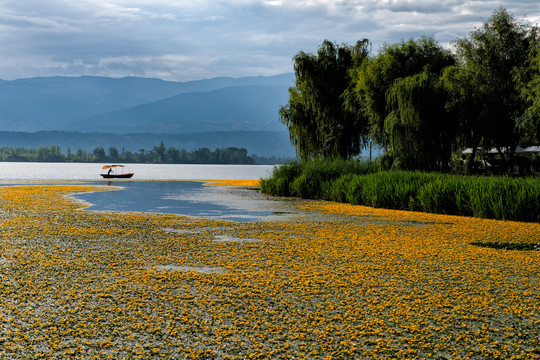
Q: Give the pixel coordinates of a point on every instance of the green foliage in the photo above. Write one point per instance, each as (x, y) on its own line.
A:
(469, 108)
(316, 173)
(283, 176)
(497, 70)
(417, 100)
(307, 179)
(338, 189)
(398, 92)
(158, 155)
(392, 190)
(421, 131)
(319, 124)
(502, 197)
(505, 198)
(354, 190)
(440, 196)
(530, 123)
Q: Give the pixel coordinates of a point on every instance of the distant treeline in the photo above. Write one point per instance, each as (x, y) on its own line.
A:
(157, 155)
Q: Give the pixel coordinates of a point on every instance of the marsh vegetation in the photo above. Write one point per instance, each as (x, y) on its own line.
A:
(497, 197)
(341, 281)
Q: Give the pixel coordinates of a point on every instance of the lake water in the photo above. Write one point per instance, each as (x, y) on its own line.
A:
(24, 171)
(191, 198)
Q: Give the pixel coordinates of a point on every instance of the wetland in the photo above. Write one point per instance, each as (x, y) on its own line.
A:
(331, 280)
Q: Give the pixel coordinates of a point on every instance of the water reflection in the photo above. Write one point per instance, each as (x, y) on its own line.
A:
(183, 197)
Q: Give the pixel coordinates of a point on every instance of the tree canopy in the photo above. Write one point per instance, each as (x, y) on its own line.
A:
(497, 60)
(418, 100)
(318, 122)
(158, 155)
(405, 105)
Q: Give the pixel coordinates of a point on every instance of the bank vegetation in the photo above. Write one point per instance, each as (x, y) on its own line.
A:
(157, 155)
(418, 101)
(495, 197)
(420, 104)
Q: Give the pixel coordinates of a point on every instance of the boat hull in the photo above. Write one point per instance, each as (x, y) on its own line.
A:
(117, 176)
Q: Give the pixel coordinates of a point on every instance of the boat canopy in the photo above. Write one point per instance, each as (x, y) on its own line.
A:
(111, 166)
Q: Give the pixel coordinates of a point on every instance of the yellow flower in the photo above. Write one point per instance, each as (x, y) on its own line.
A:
(342, 281)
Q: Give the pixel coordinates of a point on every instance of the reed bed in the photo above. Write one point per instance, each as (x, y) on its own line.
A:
(495, 197)
(340, 282)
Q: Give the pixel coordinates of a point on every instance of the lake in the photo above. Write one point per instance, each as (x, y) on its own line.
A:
(191, 198)
(24, 171)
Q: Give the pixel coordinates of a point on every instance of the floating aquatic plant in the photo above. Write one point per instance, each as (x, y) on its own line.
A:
(340, 282)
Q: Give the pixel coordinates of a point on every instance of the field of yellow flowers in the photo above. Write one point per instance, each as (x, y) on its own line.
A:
(339, 282)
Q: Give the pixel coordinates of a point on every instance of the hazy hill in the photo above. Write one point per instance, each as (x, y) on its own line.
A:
(56, 103)
(250, 107)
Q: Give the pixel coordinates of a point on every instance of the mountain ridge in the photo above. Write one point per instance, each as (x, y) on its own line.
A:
(42, 107)
(248, 107)
(51, 103)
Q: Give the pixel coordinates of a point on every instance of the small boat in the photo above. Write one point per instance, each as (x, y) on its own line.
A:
(115, 172)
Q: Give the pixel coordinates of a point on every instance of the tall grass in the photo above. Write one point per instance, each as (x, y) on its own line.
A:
(282, 177)
(497, 197)
(307, 180)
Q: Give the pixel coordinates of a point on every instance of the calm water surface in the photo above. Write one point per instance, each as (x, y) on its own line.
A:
(191, 198)
(21, 171)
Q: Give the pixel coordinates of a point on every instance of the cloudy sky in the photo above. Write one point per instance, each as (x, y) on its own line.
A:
(194, 39)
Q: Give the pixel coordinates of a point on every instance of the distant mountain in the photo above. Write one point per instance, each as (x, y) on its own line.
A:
(56, 103)
(88, 112)
(249, 107)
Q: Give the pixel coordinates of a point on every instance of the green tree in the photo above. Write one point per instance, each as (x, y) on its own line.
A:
(99, 153)
(469, 108)
(530, 90)
(113, 154)
(80, 155)
(421, 130)
(391, 90)
(176, 156)
(497, 59)
(159, 152)
(50, 153)
(319, 123)
(202, 156)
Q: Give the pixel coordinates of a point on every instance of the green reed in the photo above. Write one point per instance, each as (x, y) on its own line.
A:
(497, 197)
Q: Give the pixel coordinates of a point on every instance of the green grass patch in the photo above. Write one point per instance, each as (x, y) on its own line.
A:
(495, 197)
(307, 179)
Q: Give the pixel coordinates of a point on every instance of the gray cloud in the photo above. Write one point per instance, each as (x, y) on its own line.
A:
(184, 40)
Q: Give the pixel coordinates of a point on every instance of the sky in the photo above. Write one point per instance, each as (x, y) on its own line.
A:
(182, 40)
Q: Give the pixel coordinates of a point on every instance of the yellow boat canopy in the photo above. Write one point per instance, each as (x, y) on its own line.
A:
(111, 166)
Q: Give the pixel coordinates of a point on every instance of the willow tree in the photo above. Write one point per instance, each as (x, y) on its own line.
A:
(421, 130)
(470, 108)
(376, 76)
(318, 122)
(497, 58)
(531, 92)
(398, 91)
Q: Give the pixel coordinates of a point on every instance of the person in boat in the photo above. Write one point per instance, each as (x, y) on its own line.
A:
(110, 171)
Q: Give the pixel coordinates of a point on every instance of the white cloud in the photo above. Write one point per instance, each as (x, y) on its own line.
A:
(182, 40)
(22, 22)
